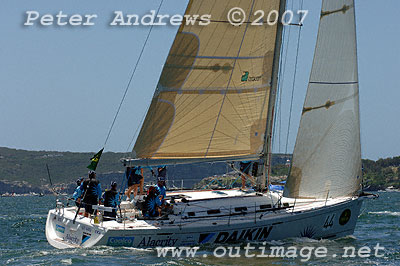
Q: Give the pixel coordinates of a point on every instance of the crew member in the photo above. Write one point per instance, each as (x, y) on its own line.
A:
(78, 192)
(91, 193)
(162, 171)
(161, 189)
(135, 180)
(152, 203)
(110, 199)
(244, 169)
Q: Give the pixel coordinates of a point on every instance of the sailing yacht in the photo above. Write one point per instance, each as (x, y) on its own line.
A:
(214, 102)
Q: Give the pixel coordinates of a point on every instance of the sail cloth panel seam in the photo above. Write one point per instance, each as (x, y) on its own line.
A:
(215, 90)
(162, 100)
(230, 79)
(329, 103)
(168, 102)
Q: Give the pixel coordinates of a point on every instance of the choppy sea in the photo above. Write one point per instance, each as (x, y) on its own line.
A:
(23, 240)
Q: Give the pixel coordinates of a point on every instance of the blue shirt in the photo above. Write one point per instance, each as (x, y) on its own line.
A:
(162, 191)
(151, 205)
(96, 191)
(138, 170)
(77, 193)
(110, 199)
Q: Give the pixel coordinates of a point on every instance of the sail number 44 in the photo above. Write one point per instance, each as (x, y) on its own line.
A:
(329, 221)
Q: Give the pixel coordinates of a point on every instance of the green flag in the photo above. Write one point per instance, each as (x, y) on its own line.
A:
(95, 160)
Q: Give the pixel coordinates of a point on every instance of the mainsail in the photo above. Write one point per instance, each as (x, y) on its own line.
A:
(212, 98)
(327, 156)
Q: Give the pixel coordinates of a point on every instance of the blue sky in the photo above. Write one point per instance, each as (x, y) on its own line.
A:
(61, 86)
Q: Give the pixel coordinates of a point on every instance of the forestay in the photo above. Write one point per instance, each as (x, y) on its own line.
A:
(211, 101)
(326, 160)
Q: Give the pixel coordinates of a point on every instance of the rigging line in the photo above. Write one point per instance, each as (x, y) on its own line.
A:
(238, 113)
(279, 93)
(282, 82)
(229, 81)
(275, 123)
(293, 85)
(130, 79)
(137, 129)
(180, 137)
(195, 106)
(280, 120)
(278, 113)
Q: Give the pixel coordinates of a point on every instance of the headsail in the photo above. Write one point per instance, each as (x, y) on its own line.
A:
(212, 97)
(327, 155)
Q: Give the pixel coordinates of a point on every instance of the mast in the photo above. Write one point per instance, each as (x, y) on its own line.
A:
(272, 97)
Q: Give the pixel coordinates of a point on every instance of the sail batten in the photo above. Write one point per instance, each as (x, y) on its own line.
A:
(212, 97)
(327, 156)
(177, 161)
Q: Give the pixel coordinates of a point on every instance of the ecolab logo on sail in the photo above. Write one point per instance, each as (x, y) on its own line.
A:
(245, 77)
(246, 234)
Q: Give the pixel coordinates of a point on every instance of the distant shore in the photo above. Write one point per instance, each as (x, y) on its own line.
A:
(24, 172)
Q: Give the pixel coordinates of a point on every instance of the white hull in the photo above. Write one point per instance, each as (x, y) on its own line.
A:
(331, 218)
